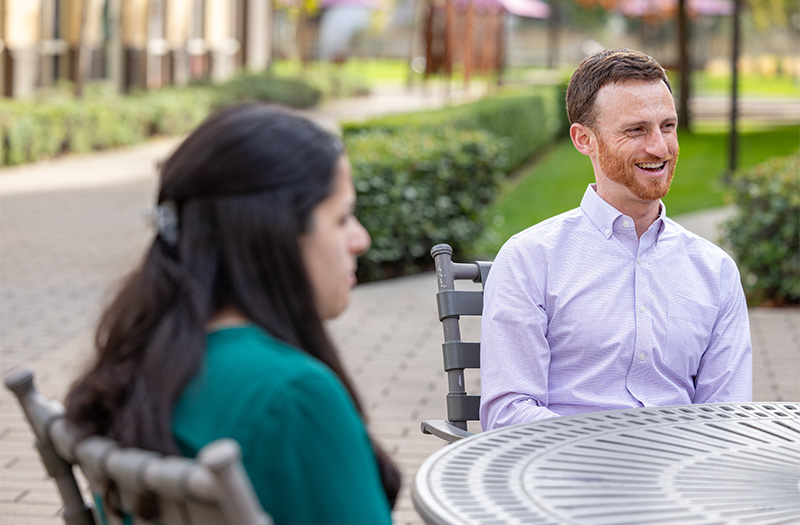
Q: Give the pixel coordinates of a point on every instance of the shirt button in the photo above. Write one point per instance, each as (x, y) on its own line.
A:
(642, 309)
(639, 262)
(608, 231)
(641, 357)
(625, 224)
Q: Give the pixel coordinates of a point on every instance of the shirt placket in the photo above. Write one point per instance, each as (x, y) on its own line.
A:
(640, 373)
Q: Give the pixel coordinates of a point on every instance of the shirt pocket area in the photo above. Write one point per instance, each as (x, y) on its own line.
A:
(689, 327)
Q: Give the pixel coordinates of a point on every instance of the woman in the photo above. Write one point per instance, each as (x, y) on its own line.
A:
(220, 332)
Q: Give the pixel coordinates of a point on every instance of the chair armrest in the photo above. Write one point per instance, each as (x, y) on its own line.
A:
(444, 430)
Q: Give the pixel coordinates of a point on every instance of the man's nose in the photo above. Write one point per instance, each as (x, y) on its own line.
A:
(657, 144)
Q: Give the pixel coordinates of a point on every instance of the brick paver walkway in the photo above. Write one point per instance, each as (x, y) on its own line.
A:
(70, 228)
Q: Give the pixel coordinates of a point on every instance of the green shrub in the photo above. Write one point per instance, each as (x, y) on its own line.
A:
(54, 122)
(174, 111)
(764, 235)
(528, 121)
(419, 189)
(31, 132)
(250, 87)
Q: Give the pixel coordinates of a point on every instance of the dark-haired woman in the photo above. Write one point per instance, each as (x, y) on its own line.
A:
(219, 333)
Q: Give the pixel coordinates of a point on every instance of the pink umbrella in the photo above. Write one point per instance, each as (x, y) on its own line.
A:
(526, 8)
(657, 7)
(363, 3)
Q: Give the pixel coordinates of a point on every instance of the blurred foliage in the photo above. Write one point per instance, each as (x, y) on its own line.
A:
(54, 123)
(429, 177)
(769, 14)
(527, 120)
(766, 14)
(248, 87)
(764, 235)
(420, 188)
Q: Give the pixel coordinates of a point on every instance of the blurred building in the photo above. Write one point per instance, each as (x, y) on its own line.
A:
(142, 44)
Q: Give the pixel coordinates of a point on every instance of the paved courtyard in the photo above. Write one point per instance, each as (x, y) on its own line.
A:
(70, 228)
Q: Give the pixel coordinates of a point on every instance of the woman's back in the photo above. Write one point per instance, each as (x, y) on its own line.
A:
(304, 446)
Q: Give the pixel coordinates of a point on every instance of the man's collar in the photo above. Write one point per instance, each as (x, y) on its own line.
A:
(603, 214)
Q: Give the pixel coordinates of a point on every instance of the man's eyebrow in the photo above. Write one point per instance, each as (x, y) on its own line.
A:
(644, 123)
(635, 124)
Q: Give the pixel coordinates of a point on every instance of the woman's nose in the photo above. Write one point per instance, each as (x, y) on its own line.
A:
(360, 240)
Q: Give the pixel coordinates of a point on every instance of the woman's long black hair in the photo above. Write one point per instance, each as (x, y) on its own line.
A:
(244, 184)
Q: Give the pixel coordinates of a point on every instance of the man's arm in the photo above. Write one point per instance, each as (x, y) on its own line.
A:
(725, 373)
(515, 354)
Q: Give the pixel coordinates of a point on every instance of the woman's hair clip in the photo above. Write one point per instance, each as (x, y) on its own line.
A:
(164, 218)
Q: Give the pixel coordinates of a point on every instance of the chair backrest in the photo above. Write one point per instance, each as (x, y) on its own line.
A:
(145, 487)
(458, 355)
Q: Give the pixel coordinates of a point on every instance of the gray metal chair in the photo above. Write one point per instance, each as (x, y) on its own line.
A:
(146, 487)
(458, 355)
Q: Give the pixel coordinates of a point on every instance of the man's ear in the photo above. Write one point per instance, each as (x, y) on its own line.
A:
(583, 138)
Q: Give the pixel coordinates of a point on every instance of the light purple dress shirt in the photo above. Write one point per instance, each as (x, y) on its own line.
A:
(579, 316)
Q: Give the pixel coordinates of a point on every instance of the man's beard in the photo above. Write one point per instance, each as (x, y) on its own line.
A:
(615, 168)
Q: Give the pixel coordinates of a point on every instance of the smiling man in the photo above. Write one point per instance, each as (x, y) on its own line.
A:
(613, 305)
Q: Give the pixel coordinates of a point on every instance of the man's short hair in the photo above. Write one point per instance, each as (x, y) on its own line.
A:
(607, 67)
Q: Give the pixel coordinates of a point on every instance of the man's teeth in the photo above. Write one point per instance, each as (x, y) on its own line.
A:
(651, 166)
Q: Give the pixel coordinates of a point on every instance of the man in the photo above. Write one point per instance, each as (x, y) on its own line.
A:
(613, 305)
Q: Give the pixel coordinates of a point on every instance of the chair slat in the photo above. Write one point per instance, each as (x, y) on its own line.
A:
(483, 270)
(460, 355)
(452, 303)
(462, 407)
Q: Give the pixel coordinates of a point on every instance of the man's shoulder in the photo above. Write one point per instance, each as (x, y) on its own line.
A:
(550, 229)
(695, 245)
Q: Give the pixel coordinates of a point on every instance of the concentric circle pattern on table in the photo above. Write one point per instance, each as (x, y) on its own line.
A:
(694, 464)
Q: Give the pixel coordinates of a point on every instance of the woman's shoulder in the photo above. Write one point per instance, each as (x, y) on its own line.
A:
(247, 371)
(247, 363)
(249, 350)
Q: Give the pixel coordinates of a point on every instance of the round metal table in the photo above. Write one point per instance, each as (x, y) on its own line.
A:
(716, 463)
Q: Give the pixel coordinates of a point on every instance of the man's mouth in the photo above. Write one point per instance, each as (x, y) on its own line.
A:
(651, 166)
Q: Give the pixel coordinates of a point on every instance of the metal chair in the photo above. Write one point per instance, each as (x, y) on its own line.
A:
(145, 487)
(458, 355)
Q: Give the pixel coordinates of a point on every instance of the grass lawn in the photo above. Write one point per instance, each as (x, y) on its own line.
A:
(555, 183)
(749, 85)
(373, 71)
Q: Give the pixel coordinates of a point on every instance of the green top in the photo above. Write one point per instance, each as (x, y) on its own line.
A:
(304, 445)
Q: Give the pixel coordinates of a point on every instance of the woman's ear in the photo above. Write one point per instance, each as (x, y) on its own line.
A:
(583, 138)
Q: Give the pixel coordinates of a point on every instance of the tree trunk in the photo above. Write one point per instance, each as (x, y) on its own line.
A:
(84, 55)
(469, 42)
(554, 34)
(734, 132)
(684, 65)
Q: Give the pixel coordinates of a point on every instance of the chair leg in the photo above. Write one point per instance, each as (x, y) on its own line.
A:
(76, 512)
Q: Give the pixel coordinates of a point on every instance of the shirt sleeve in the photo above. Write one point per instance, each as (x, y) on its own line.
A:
(725, 373)
(316, 465)
(515, 354)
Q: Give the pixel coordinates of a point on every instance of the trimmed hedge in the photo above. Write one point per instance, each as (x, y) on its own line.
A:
(429, 177)
(419, 189)
(528, 120)
(249, 87)
(34, 129)
(764, 235)
(37, 128)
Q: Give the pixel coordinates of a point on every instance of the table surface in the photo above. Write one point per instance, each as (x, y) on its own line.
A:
(716, 463)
